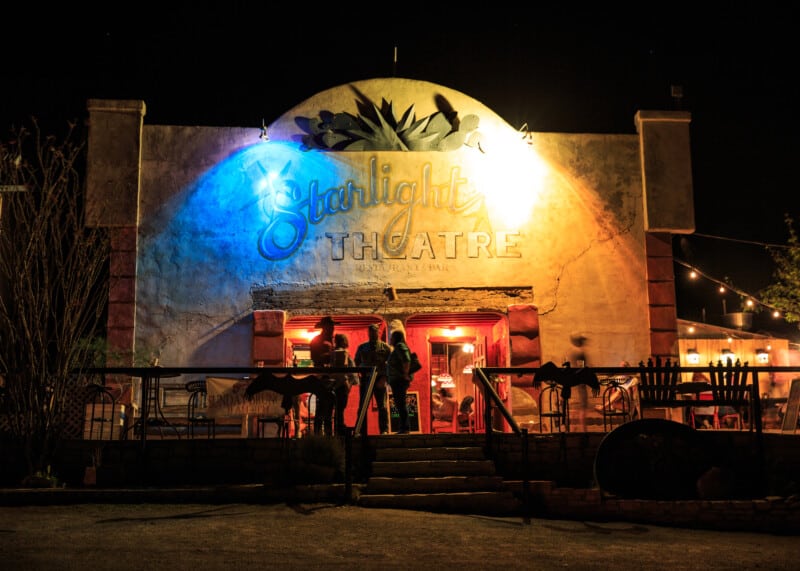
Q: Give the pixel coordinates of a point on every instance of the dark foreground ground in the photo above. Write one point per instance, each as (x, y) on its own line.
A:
(322, 535)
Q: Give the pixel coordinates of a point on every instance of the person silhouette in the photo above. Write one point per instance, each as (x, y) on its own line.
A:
(375, 353)
(321, 348)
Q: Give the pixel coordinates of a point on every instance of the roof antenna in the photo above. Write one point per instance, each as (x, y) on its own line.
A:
(394, 63)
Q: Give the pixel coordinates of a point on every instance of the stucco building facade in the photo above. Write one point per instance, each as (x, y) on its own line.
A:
(398, 202)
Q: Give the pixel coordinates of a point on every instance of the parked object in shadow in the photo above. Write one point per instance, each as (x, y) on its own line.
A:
(651, 459)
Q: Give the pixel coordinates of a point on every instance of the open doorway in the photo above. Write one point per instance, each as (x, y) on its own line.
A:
(451, 364)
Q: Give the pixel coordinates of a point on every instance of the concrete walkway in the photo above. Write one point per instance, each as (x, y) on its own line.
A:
(325, 535)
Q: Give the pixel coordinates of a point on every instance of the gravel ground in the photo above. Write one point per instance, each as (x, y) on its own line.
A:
(313, 536)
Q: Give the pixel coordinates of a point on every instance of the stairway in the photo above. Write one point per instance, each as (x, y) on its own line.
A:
(439, 473)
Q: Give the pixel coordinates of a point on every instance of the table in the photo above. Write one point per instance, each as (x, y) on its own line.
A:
(692, 388)
(690, 391)
(151, 392)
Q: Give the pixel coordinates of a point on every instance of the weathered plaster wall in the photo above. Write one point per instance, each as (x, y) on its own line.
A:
(217, 205)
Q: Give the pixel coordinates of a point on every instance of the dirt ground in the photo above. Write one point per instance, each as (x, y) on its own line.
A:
(313, 536)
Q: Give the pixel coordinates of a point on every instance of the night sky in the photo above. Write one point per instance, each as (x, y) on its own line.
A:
(557, 69)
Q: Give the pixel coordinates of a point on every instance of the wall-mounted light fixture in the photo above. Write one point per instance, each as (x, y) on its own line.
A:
(762, 356)
(446, 381)
(263, 136)
(727, 355)
(692, 357)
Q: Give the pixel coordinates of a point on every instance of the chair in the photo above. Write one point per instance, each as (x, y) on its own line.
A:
(729, 388)
(290, 406)
(196, 413)
(466, 415)
(447, 420)
(281, 423)
(100, 414)
(734, 418)
(657, 385)
(553, 408)
(616, 409)
(705, 411)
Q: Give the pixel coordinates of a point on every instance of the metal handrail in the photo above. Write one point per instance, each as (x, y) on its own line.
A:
(490, 397)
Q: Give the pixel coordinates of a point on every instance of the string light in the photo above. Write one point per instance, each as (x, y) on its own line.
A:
(751, 302)
(752, 242)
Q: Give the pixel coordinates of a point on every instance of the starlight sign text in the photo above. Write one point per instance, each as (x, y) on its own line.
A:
(288, 213)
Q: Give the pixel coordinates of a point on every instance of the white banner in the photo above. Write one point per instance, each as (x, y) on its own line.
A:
(226, 397)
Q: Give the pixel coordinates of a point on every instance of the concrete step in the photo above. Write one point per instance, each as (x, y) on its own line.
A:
(447, 484)
(484, 503)
(447, 475)
(434, 468)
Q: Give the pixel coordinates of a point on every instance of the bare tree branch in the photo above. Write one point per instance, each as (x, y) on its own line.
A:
(53, 287)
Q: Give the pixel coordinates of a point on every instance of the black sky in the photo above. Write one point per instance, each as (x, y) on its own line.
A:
(558, 69)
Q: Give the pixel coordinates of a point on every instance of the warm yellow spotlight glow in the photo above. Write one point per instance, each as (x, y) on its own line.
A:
(721, 289)
(510, 177)
(693, 275)
(749, 303)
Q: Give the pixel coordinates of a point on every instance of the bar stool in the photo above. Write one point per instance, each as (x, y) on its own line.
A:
(553, 408)
(197, 410)
(100, 413)
(619, 409)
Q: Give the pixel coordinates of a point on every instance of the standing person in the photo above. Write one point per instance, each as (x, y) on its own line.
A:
(579, 399)
(375, 353)
(344, 381)
(321, 348)
(445, 405)
(397, 373)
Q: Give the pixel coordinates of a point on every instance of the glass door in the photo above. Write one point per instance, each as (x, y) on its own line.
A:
(451, 372)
